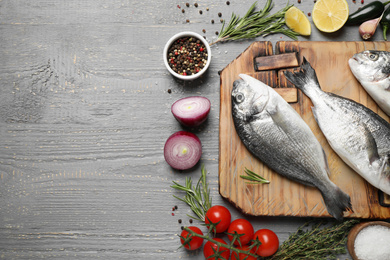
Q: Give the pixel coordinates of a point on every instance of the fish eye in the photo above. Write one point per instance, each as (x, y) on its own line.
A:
(239, 97)
(373, 56)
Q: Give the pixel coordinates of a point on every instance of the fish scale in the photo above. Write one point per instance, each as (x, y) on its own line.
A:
(359, 136)
(276, 134)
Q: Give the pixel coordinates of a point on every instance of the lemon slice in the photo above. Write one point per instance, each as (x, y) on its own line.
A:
(297, 21)
(330, 15)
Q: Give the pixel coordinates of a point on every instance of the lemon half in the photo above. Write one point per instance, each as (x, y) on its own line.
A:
(297, 21)
(330, 15)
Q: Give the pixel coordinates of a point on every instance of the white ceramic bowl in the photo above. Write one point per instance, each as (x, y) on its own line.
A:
(185, 34)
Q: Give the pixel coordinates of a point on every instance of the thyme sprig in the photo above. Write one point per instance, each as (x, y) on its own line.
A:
(198, 197)
(254, 178)
(256, 23)
(318, 243)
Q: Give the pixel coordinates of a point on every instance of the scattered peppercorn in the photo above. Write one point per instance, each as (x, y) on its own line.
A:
(196, 4)
(221, 20)
(187, 21)
(169, 91)
(200, 11)
(190, 220)
(216, 33)
(182, 228)
(219, 14)
(228, 3)
(187, 56)
(187, 4)
(176, 207)
(204, 31)
(212, 21)
(308, 14)
(183, 11)
(179, 221)
(207, 9)
(299, 1)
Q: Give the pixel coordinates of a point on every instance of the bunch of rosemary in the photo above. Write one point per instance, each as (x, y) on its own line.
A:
(256, 23)
(198, 197)
(317, 243)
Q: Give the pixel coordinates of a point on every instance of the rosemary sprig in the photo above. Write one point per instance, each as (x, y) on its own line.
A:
(198, 197)
(318, 243)
(256, 23)
(254, 178)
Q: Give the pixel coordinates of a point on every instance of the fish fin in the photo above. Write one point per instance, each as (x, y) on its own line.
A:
(372, 148)
(326, 162)
(336, 201)
(304, 78)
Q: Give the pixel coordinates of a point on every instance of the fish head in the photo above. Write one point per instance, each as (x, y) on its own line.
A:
(249, 97)
(370, 66)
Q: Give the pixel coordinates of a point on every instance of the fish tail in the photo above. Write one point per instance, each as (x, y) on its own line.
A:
(305, 79)
(336, 201)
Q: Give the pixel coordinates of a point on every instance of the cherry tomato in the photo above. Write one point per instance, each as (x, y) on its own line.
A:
(269, 242)
(244, 227)
(208, 250)
(219, 214)
(194, 242)
(241, 256)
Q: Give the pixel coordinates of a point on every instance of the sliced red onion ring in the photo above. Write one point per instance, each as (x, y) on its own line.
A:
(182, 150)
(191, 111)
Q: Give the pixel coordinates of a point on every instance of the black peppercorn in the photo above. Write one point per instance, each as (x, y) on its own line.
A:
(212, 21)
(204, 31)
(216, 32)
(200, 11)
(228, 3)
(187, 56)
(183, 11)
(196, 4)
(219, 14)
(187, 4)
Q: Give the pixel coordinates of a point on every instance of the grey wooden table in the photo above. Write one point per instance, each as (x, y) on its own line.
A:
(84, 115)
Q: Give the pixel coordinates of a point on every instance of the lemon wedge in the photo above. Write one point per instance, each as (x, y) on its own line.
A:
(297, 21)
(330, 15)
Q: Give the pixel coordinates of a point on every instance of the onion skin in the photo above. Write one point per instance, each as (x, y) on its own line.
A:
(191, 111)
(182, 150)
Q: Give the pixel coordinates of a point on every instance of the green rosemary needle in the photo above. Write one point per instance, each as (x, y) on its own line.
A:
(198, 197)
(256, 23)
(254, 178)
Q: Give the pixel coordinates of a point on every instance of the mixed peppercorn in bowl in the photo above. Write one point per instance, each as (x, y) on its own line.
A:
(187, 55)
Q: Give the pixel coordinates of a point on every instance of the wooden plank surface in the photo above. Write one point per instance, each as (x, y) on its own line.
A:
(283, 197)
(84, 115)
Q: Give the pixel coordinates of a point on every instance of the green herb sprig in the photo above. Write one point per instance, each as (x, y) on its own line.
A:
(256, 23)
(198, 197)
(254, 178)
(318, 243)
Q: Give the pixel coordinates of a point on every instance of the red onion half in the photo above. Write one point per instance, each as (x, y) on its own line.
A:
(182, 150)
(191, 111)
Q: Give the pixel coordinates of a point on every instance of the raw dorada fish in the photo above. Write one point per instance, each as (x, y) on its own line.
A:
(358, 135)
(276, 134)
(372, 70)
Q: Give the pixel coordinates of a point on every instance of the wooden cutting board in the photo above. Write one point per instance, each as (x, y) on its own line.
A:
(283, 197)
